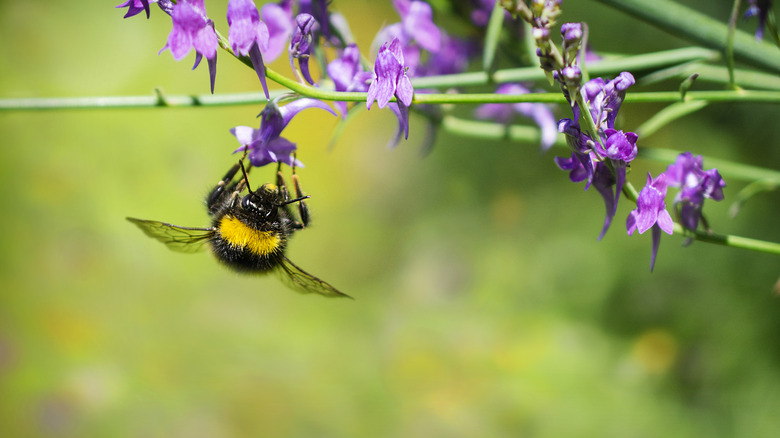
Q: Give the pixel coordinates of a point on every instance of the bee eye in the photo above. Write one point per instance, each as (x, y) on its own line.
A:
(247, 204)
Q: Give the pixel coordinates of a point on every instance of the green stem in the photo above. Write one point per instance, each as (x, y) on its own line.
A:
(709, 96)
(701, 29)
(730, 240)
(714, 74)
(152, 101)
(635, 63)
(730, 42)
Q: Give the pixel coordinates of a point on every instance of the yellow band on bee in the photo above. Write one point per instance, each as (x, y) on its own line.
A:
(240, 235)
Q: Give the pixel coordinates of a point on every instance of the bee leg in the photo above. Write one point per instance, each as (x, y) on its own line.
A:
(281, 187)
(225, 188)
(218, 192)
(303, 209)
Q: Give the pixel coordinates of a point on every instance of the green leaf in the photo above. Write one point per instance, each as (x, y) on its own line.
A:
(750, 191)
(492, 36)
(701, 29)
(714, 74)
(668, 115)
(687, 84)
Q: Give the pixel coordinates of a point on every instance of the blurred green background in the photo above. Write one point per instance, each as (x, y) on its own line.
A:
(484, 306)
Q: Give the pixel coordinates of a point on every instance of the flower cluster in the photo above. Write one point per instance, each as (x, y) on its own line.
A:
(600, 153)
(413, 47)
(600, 159)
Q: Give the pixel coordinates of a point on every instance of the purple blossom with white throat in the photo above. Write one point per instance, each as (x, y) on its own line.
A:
(248, 35)
(265, 145)
(193, 29)
(695, 185)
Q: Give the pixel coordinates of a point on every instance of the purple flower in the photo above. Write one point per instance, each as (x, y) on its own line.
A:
(758, 8)
(603, 181)
(265, 145)
(604, 100)
(402, 114)
(451, 58)
(620, 146)
(505, 112)
(417, 22)
(620, 149)
(480, 16)
(572, 37)
(416, 31)
(390, 80)
(695, 185)
(280, 22)
(581, 165)
(571, 76)
(651, 212)
(319, 10)
(390, 77)
(300, 44)
(135, 7)
(347, 74)
(248, 35)
(193, 29)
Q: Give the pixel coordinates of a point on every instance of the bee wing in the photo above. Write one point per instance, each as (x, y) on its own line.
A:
(302, 282)
(181, 239)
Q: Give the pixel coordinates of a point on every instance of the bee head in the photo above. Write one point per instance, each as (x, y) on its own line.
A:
(253, 203)
(265, 200)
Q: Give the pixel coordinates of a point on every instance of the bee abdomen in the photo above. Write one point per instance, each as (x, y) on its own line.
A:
(246, 248)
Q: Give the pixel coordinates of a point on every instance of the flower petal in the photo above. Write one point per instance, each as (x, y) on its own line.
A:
(404, 90)
(419, 24)
(280, 26)
(291, 109)
(244, 134)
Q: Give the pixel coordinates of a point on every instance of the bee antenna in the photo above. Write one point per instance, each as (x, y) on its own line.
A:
(246, 178)
(293, 200)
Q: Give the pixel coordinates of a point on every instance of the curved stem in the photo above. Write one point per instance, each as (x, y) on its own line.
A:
(648, 61)
(701, 29)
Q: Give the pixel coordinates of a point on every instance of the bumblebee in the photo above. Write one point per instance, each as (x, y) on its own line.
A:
(248, 233)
